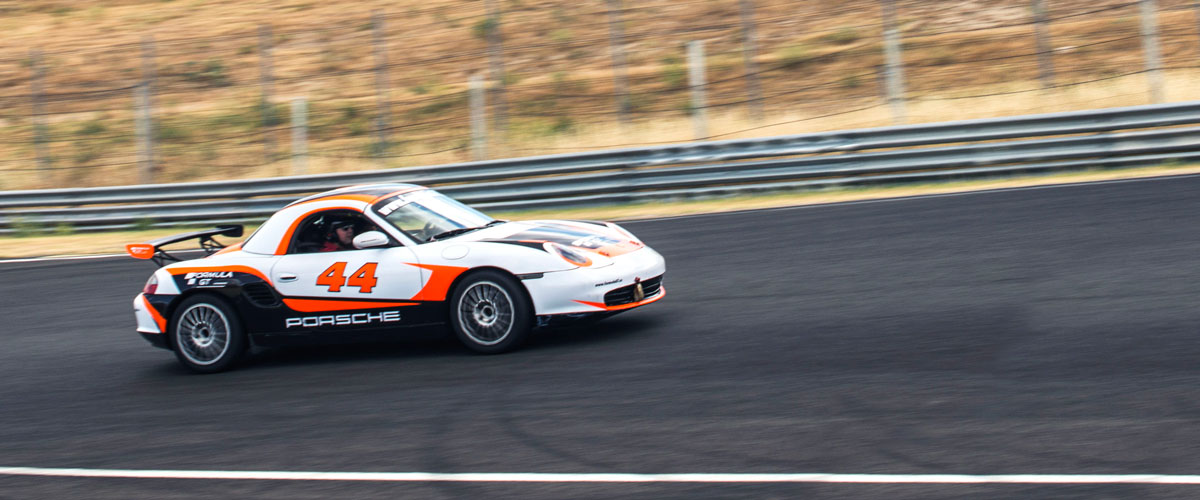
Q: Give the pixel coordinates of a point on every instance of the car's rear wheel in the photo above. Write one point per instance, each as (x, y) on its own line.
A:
(206, 334)
(490, 313)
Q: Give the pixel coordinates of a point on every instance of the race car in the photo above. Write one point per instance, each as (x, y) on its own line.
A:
(367, 261)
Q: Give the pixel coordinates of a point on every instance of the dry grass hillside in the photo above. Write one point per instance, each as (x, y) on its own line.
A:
(817, 60)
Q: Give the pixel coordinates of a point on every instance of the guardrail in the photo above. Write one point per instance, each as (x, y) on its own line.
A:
(1106, 138)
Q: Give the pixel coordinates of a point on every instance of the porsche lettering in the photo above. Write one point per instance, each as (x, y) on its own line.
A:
(343, 319)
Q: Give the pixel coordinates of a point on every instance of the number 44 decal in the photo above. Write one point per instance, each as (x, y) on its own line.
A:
(335, 277)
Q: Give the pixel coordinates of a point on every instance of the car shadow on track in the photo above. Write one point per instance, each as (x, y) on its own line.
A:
(437, 344)
(616, 329)
(335, 354)
(425, 346)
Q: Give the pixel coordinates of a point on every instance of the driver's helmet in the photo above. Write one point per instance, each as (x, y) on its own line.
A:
(336, 224)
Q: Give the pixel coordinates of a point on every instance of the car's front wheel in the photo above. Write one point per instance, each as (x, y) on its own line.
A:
(206, 334)
(490, 313)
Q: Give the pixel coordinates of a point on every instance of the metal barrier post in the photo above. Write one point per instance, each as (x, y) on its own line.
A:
(895, 69)
(145, 162)
(697, 82)
(1042, 39)
(265, 82)
(299, 136)
(616, 45)
(148, 76)
(39, 114)
(749, 52)
(478, 120)
(496, 67)
(1150, 47)
(378, 35)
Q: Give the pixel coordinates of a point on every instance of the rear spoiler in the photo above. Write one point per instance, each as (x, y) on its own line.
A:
(152, 250)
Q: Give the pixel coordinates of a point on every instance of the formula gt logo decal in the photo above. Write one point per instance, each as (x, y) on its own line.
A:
(204, 278)
(343, 319)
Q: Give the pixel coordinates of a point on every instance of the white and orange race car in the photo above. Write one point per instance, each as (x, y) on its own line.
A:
(364, 261)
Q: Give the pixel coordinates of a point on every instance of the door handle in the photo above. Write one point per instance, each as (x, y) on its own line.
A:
(287, 277)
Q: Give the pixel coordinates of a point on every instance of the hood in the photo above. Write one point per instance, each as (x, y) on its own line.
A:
(593, 237)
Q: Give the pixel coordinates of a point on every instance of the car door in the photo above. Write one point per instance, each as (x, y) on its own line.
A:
(386, 274)
(346, 289)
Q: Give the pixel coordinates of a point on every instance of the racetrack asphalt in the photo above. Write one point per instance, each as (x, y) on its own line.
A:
(1040, 331)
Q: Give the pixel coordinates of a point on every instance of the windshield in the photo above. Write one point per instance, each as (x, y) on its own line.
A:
(429, 213)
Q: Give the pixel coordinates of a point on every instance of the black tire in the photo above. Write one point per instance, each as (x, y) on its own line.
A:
(490, 312)
(206, 334)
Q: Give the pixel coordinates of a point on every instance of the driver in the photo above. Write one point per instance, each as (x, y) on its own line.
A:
(340, 236)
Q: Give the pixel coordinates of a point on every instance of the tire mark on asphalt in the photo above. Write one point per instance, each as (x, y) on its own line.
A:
(504, 418)
(438, 445)
(891, 439)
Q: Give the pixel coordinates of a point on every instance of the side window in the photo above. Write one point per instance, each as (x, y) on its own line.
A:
(329, 231)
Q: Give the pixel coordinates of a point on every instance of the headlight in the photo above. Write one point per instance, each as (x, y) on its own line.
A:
(567, 254)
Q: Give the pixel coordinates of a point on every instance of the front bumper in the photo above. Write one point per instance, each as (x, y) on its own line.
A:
(581, 290)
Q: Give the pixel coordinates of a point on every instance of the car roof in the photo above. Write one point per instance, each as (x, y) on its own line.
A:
(274, 235)
(368, 192)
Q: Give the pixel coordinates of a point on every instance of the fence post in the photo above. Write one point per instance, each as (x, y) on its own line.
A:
(749, 53)
(1196, 7)
(895, 70)
(299, 136)
(39, 114)
(696, 81)
(478, 120)
(496, 66)
(1150, 47)
(1042, 39)
(141, 96)
(617, 46)
(881, 80)
(381, 84)
(266, 83)
(148, 76)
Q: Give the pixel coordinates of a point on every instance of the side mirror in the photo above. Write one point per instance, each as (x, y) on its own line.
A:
(370, 239)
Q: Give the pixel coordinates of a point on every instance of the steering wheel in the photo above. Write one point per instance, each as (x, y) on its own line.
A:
(427, 231)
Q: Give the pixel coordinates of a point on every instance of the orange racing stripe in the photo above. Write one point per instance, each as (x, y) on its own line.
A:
(322, 305)
(365, 198)
(439, 282)
(389, 195)
(662, 291)
(158, 317)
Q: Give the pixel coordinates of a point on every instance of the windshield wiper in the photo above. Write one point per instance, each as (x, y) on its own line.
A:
(461, 230)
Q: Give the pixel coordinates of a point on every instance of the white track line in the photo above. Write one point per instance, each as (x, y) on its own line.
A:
(534, 477)
(79, 257)
(895, 199)
(68, 257)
